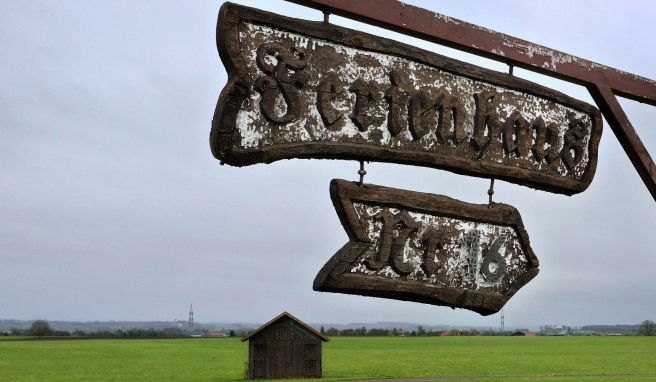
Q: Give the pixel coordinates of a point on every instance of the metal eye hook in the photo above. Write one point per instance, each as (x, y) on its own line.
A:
(362, 173)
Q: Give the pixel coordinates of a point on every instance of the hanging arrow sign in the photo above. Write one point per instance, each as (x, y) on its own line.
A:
(301, 89)
(427, 248)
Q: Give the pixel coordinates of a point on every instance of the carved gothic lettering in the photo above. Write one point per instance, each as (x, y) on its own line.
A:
(421, 114)
(427, 248)
(545, 135)
(395, 232)
(329, 89)
(279, 80)
(433, 240)
(304, 90)
(451, 113)
(398, 102)
(472, 243)
(381, 258)
(493, 267)
(366, 95)
(574, 144)
(517, 137)
(485, 138)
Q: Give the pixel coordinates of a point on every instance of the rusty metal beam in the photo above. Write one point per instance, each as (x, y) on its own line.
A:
(626, 134)
(603, 82)
(461, 35)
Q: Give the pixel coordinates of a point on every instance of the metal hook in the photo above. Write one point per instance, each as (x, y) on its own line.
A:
(362, 173)
(490, 192)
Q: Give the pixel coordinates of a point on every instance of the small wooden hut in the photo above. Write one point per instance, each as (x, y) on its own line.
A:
(284, 347)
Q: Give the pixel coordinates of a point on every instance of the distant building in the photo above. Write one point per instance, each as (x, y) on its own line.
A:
(611, 329)
(525, 332)
(556, 330)
(215, 334)
(284, 347)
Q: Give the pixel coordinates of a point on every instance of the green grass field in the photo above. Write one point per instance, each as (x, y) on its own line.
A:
(355, 358)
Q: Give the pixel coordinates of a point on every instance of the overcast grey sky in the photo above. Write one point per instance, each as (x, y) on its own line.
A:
(112, 206)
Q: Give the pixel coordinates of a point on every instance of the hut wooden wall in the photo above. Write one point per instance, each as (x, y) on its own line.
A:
(284, 350)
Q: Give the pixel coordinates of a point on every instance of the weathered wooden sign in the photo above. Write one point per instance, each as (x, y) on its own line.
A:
(301, 89)
(427, 248)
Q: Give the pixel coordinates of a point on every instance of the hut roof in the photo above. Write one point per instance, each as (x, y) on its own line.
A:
(290, 316)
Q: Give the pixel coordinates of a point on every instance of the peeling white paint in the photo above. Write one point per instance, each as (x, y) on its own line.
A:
(452, 259)
(499, 52)
(255, 132)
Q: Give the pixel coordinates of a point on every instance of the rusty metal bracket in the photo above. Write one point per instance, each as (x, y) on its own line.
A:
(603, 82)
(626, 134)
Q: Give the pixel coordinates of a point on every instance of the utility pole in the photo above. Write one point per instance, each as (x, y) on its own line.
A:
(502, 329)
(191, 319)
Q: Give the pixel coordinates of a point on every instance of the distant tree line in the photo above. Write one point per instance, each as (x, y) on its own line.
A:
(420, 331)
(41, 328)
